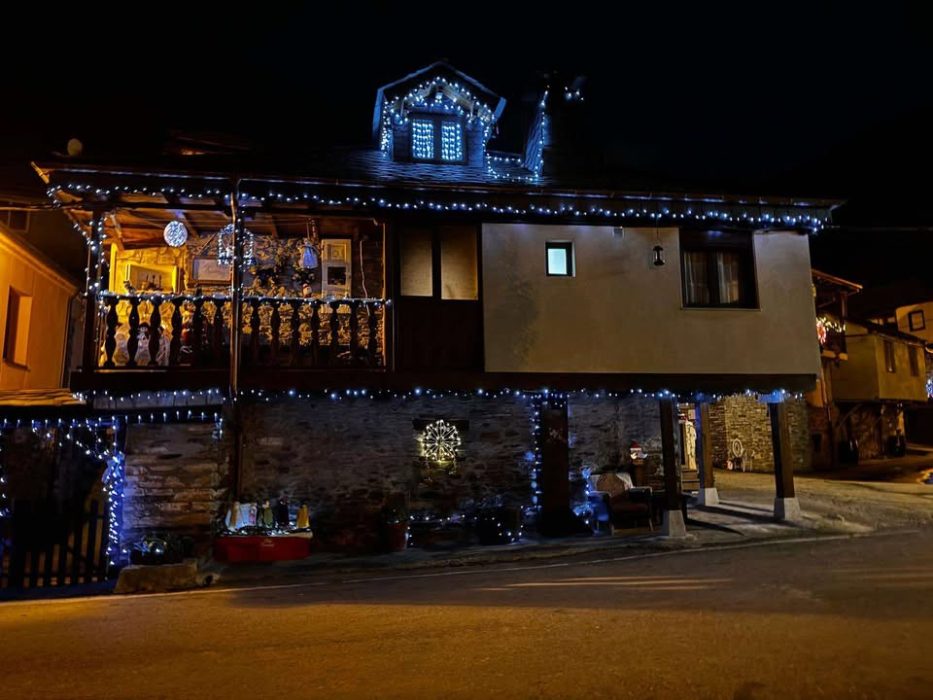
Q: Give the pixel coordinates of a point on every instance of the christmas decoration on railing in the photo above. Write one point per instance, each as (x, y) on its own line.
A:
(826, 325)
(930, 388)
(225, 245)
(664, 209)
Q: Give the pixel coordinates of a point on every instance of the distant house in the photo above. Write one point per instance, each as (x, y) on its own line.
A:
(35, 306)
(870, 372)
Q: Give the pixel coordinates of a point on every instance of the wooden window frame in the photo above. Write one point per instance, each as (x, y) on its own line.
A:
(913, 354)
(437, 120)
(567, 247)
(910, 320)
(711, 242)
(13, 328)
(437, 284)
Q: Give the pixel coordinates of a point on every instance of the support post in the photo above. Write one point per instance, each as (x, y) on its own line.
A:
(709, 495)
(786, 506)
(236, 330)
(673, 523)
(556, 518)
(94, 266)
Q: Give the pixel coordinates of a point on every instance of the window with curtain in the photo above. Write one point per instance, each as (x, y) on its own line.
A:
(717, 269)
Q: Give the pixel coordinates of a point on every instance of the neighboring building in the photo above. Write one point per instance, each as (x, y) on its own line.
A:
(35, 305)
(428, 320)
(870, 373)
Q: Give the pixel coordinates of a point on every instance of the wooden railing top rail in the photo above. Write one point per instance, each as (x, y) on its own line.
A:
(170, 296)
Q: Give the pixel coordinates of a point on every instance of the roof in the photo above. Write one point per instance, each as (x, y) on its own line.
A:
(878, 329)
(833, 281)
(438, 69)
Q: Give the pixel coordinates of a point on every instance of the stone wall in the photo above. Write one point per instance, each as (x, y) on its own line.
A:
(601, 429)
(348, 458)
(745, 418)
(176, 479)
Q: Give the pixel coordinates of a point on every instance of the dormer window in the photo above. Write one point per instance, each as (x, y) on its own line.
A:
(436, 139)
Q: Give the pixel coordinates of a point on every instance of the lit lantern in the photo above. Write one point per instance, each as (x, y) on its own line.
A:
(658, 255)
(175, 234)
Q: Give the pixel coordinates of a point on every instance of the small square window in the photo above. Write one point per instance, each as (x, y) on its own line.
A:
(559, 259)
(916, 320)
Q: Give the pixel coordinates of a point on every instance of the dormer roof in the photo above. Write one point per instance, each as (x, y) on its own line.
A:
(468, 94)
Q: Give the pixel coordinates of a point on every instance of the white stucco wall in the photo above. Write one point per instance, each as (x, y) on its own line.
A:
(620, 313)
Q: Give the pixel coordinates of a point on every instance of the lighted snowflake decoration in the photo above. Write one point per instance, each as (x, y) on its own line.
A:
(439, 441)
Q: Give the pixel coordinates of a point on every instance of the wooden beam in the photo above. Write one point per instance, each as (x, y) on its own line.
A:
(781, 447)
(705, 453)
(671, 482)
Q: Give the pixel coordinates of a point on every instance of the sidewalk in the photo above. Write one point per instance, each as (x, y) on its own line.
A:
(732, 522)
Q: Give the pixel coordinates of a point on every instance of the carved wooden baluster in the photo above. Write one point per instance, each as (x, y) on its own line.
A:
(132, 343)
(217, 341)
(275, 325)
(373, 346)
(155, 331)
(175, 347)
(354, 331)
(197, 331)
(334, 331)
(295, 323)
(254, 331)
(315, 334)
(110, 343)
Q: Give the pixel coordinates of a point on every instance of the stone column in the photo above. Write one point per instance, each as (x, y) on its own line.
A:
(786, 506)
(708, 496)
(673, 523)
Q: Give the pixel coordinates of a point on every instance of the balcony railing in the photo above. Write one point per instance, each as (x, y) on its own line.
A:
(153, 331)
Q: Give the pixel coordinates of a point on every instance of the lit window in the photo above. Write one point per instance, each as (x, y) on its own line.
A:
(422, 139)
(889, 363)
(451, 141)
(559, 259)
(16, 339)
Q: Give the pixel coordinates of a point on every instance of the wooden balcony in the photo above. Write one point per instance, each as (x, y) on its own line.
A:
(153, 340)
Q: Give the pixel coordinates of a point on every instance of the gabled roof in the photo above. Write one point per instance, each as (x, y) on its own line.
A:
(438, 69)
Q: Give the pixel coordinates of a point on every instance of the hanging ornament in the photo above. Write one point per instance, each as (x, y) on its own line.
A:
(309, 255)
(225, 245)
(175, 234)
(249, 248)
(658, 255)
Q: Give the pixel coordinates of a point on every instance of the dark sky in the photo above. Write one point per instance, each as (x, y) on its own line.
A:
(821, 97)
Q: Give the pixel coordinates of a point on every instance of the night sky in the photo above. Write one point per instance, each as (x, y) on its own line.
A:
(819, 98)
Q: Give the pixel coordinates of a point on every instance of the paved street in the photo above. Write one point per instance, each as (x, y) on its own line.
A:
(835, 619)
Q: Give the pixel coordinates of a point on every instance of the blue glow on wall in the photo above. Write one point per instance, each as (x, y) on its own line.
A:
(422, 139)
(451, 141)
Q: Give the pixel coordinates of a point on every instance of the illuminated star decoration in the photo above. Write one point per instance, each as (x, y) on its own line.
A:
(440, 441)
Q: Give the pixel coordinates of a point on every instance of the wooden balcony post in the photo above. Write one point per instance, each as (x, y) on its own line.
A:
(556, 517)
(94, 266)
(236, 294)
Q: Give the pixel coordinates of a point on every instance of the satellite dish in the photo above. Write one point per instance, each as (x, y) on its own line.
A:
(75, 147)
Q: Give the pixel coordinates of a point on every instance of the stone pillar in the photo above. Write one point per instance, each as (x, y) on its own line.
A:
(786, 506)
(673, 524)
(708, 496)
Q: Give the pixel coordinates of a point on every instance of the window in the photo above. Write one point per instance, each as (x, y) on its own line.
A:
(889, 363)
(16, 339)
(559, 259)
(17, 220)
(916, 320)
(437, 139)
(440, 263)
(422, 139)
(914, 361)
(717, 269)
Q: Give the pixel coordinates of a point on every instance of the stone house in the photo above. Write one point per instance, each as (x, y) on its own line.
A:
(430, 319)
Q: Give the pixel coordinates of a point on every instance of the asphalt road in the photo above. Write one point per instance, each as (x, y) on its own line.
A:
(831, 619)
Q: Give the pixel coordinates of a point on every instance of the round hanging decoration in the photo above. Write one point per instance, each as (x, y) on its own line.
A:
(175, 234)
(440, 441)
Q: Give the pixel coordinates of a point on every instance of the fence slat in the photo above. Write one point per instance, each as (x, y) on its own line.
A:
(78, 528)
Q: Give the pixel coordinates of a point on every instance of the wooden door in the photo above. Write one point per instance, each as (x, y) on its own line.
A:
(439, 307)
